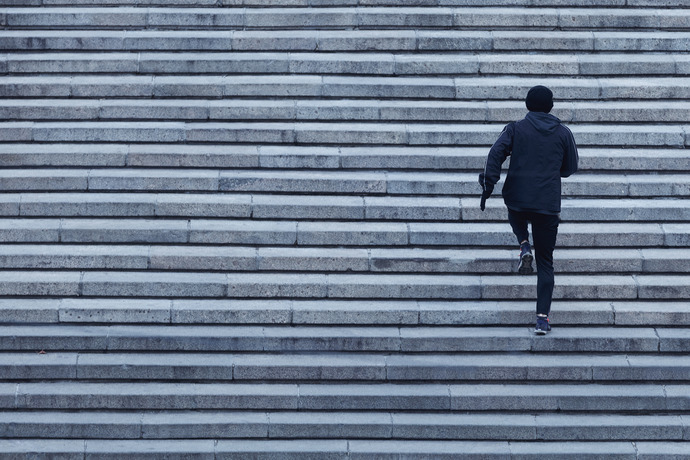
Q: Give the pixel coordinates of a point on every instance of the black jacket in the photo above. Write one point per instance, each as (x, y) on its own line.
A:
(542, 151)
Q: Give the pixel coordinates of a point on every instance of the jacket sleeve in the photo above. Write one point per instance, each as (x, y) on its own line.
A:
(570, 157)
(501, 149)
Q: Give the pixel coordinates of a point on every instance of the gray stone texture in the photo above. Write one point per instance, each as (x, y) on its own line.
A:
(242, 232)
(153, 284)
(283, 449)
(29, 310)
(353, 312)
(59, 449)
(330, 425)
(53, 338)
(230, 311)
(392, 449)
(251, 229)
(462, 426)
(341, 367)
(113, 231)
(114, 311)
(70, 425)
(154, 449)
(609, 427)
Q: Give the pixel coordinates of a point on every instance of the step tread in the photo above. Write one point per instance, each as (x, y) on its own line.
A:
(382, 425)
(310, 133)
(378, 63)
(341, 338)
(311, 110)
(347, 40)
(581, 397)
(350, 449)
(500, 88)
(416, 260)
(342, 449)
(326, 182)
(428, 17)
(338, 312)
(373, 157)
(326, 233)
(345, 367)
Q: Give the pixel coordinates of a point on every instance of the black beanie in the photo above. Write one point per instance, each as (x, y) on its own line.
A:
(539, 99)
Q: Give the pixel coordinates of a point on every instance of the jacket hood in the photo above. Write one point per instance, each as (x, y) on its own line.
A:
(544, 122)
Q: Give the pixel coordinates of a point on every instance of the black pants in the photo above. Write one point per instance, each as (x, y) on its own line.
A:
(544, 232)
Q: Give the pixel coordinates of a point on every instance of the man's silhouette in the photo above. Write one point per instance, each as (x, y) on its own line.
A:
(542, 150)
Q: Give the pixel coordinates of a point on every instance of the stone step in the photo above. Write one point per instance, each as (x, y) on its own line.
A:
(196, 338)
(338, 312)
(321, 260)
(675, 136)
(209, 449)
(345, 40)
(501, 89)
(361, 63)
(325, 207)
(544, 398)
(336, 286)
(375, 183)
(400, 17)
(322, 233)
(587, 210)
(372, 157)
(341, 110)
(388, 370)
(501, 426)
(365, 3)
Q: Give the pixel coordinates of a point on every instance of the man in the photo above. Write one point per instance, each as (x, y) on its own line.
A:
(542, 151)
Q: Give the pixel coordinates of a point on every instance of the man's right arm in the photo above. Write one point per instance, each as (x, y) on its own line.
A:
(501, 149)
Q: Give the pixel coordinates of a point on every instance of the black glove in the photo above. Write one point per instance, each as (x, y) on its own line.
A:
(487, 190)
(482, 204)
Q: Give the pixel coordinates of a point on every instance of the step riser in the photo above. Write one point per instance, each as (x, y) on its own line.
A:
(364, 111)
(341, 18)
(316, 373)
(346, 368)
(366, 234)
(333, 158)
(345, 449)
(277, 133)
(442, 398)
(328, 182)
(363, 426)
(363, 64)
(439, 211)
(591, 91)
(268, 312)
(637, 404)
(335, 286)
(409, 340)
(352, 3)
(247, 259)
(387, 40)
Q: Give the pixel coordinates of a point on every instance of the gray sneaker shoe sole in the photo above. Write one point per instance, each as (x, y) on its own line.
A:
(525, 266)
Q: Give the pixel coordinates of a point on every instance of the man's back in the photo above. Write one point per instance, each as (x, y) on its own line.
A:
(543, 151)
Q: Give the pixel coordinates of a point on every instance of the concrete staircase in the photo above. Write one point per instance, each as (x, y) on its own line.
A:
(251, 229)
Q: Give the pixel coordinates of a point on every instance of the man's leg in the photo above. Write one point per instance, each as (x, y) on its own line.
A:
(544, 232)
(518, 220)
